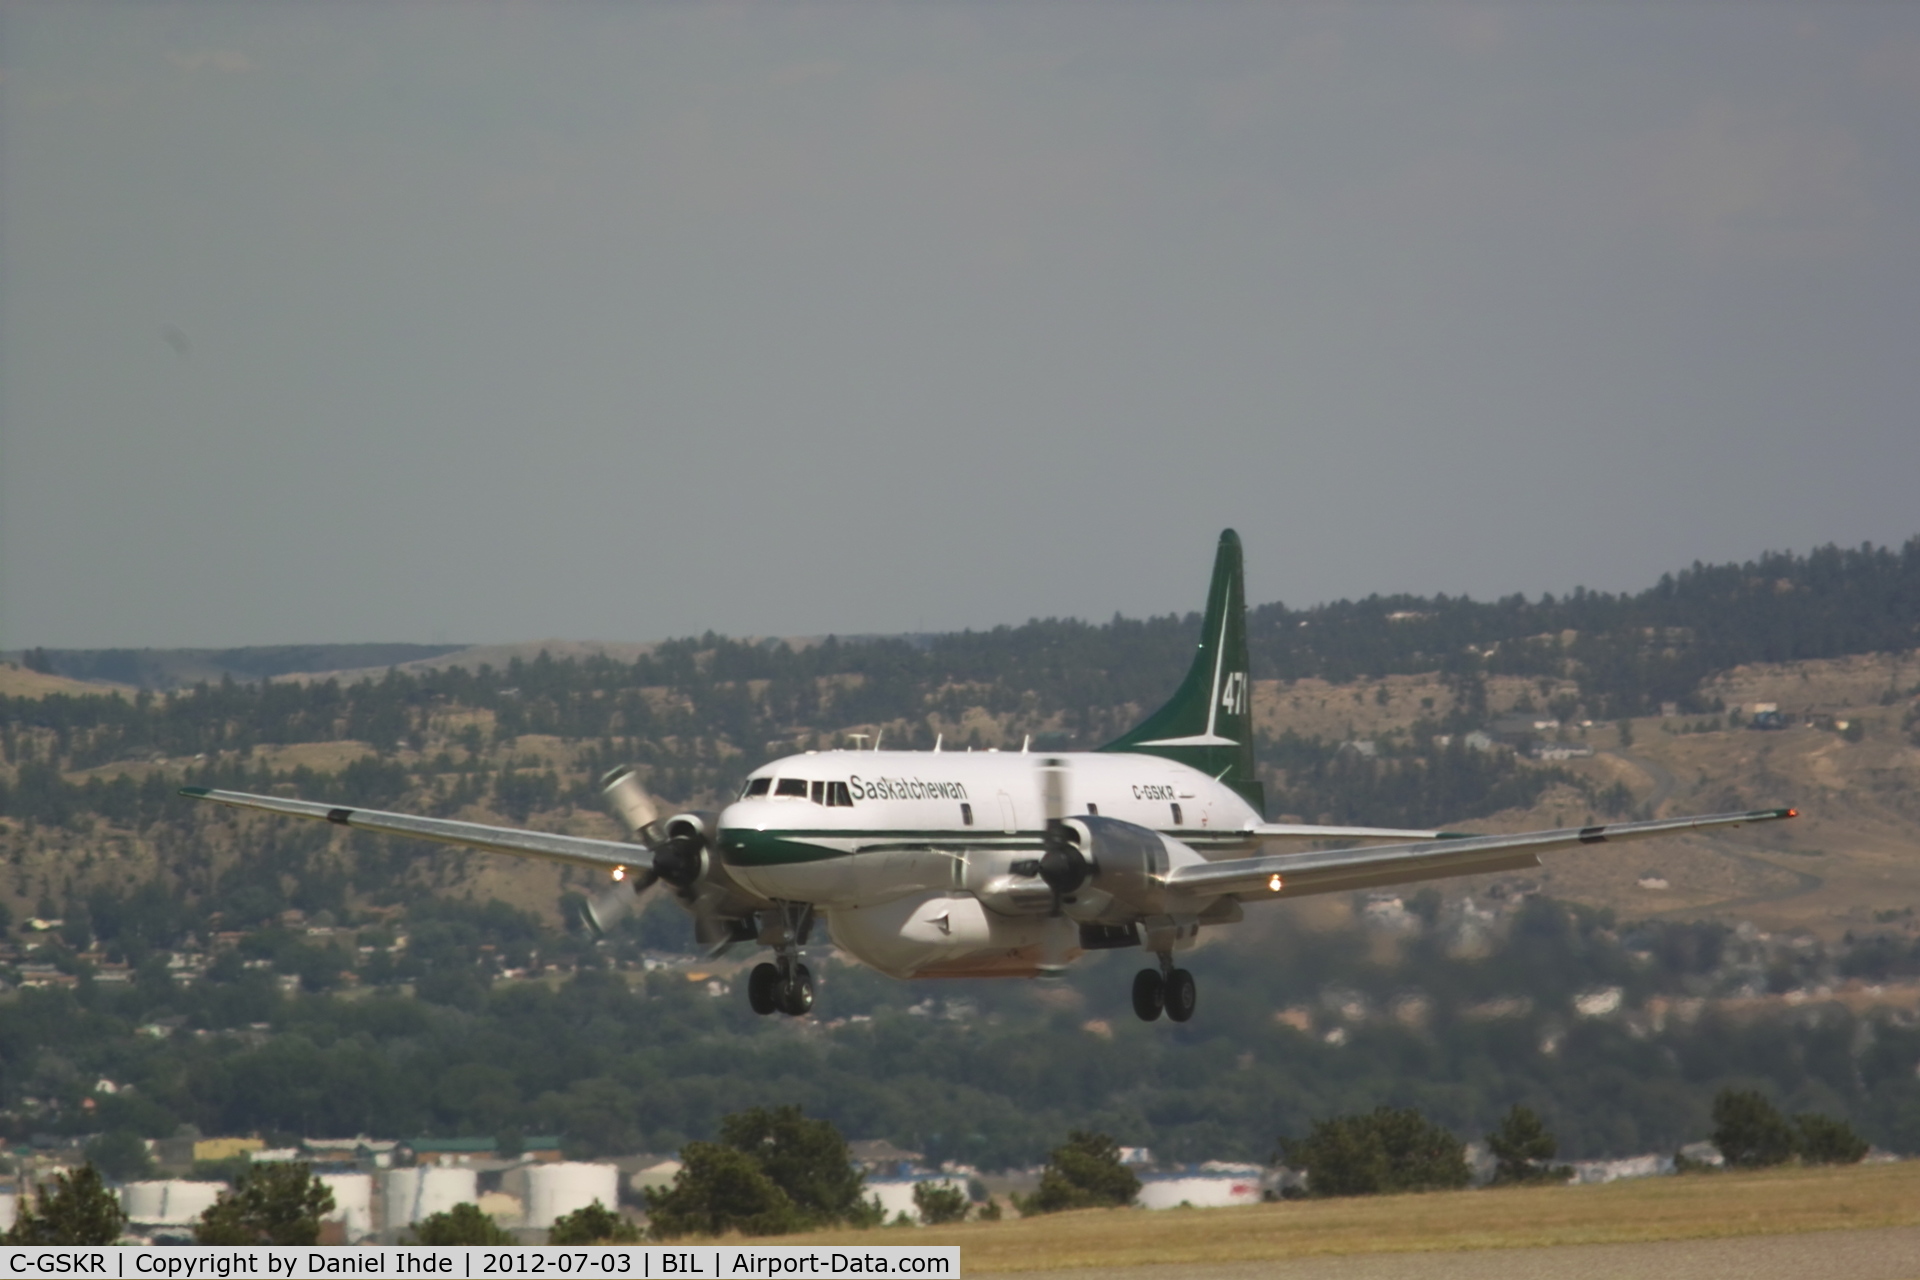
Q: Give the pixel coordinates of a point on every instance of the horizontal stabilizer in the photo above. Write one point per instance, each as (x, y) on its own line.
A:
(1288, 875)
(603, 855)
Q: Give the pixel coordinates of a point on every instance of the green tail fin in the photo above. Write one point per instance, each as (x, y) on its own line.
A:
(1208, 723)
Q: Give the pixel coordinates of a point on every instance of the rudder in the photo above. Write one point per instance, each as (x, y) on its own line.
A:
(1208, 723)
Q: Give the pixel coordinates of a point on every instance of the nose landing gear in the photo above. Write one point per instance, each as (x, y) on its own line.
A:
(1164, 989)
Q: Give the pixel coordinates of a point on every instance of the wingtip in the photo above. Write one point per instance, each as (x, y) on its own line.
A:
(196, 793)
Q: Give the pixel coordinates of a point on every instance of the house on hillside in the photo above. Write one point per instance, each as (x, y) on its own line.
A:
(878, 1157)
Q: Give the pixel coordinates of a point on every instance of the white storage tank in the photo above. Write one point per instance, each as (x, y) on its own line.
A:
(174, 1202)
(554, 1190)
(143, 1201)
(352, 1203)
(1201, 1188)
(413, 1194)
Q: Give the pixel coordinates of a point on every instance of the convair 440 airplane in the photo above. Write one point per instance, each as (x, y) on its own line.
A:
(944, 864)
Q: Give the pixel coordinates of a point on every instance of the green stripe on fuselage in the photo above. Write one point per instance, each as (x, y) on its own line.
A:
(789, 846)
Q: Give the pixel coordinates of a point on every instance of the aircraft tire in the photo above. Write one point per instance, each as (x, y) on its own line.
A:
(1149, 994)
(1181, 995)
(796, 997)
(763, 989)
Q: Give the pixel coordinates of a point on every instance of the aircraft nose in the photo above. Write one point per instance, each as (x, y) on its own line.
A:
(740, 815)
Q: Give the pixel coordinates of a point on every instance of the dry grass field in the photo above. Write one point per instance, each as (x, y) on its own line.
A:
(1708, 1206)
(18, 682)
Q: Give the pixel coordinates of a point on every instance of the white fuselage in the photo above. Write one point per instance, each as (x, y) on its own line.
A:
(914, 856)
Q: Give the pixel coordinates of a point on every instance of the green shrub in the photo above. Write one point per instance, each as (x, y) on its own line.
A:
(1750, 1131)
(462, 1224)
(1385, 1150)
(595, 1224)
(938, 1203)
(1824, 1140)
(1084, 1172)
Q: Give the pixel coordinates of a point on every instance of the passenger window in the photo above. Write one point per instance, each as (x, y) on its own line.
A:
(1093, 809)
(819, 793)
(756, 787)
(838, 795)
(1177, 820)
(966, 814)
(792, 787)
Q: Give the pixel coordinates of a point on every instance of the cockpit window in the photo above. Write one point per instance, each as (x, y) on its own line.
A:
(792, 787)
(819, 793)
(838, 796)
(756, 787)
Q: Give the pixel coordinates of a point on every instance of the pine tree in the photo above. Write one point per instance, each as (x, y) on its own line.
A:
(1084, 1172)
(1522, 1148)
(278, 1203)
(79, 1210)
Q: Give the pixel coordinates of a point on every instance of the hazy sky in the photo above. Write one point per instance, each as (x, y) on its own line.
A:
(469, 322)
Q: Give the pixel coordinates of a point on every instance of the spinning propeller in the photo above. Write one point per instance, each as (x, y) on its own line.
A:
(1062, 865)
(678, 858)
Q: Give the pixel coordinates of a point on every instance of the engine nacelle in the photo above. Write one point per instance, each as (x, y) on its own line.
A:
(1130, 862)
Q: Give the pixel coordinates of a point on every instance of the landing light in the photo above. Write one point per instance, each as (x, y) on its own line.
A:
(1274, 884)
(619, 873)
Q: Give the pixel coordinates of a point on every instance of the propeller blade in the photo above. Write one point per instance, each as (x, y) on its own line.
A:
(638, 811)
(1062, 865)
(603, 912)
(1053, 790)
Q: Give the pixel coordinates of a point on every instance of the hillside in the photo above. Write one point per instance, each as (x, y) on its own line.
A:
(1852, 860)
(1617, 986)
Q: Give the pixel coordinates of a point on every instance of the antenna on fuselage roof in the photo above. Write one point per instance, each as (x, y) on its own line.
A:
(876, 739)
(859, 740)
(938, 738)
(1025, 743)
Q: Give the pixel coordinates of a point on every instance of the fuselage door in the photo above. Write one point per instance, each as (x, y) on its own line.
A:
(1008, 822)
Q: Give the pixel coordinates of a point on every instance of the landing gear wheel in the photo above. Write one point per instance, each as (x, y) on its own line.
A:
(763, 989)
(1149, 994)
(796, 994)
(1181, 995)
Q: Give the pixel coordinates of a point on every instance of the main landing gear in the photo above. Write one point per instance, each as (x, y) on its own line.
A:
(1165, 988)
(771, 991)
(783, 985)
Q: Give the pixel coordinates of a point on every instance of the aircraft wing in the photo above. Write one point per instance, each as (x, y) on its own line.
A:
(1291, 875)
(601, 855)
